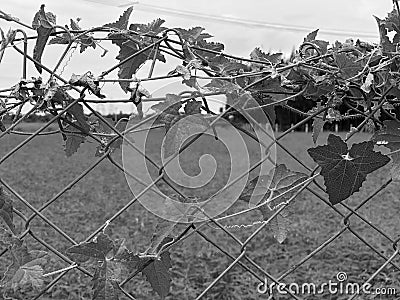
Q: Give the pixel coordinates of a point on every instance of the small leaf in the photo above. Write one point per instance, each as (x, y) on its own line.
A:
(164, 229)
(7, 238)
(181, 70)
(348, 67)
(193, 107)
(344, 170)
(171, 105)
(25, 268)
(219, 85)
(280, 226)
(6, 40)
(389, 137)
(77, 111)
(87, 80)
(258, 54)
(43, 23)
(130, 47)
(157, 273)
(311, 36)
(318, 125)
(366, 86)
(85, 40)
(182, 129)
(74, 138)
(105, 281)
(96, 249)
(6, 209)
(265, 188)
(122, 22)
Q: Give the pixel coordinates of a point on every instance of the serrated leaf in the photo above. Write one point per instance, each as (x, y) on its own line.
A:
(77, 111)
(252, 102)
(193, 107)
(129, 68)
(183, 71)
(192, 82)
(105, 281)
(280, 226)
(180, 131)
(6, 209)
(6, 40)
(7, 238)
(30, 273)
(87, 80)
(96, 249)
(311, 36)
(163, 230)
(85, 40)
(171, 105)
(25, 268)
(318, 125)
(348, 68)
(62, 39)
(385, 42)
(153, 27)
(157, 273)
(55, 94)
(275, 184)
(122, 22)
(224, 86)
(43, 23)
(344, 170)
(258, 54)
(74, 138)
(130, 47)
(389, 137)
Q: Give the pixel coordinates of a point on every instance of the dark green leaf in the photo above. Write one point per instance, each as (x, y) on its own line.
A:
(311, 36)
(157, 273)
(77, 111)
(75, 138)
(258, 54)
(344, 170)
(193, 107)
(6, 209)
(96, 249)
(348, 67)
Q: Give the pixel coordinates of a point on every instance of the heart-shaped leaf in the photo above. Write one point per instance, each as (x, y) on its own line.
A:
(344, 170)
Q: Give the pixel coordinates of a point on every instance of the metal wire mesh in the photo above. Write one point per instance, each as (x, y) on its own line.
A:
(241, 258)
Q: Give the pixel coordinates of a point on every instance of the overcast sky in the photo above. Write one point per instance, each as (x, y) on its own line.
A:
(273, 25)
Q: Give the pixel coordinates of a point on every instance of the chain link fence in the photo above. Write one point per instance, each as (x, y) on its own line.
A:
(240, 259)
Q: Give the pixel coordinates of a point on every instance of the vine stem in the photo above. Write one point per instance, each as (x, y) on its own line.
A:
(73, 266)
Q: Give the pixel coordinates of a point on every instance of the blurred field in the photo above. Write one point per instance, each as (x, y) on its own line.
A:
(40, 170)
